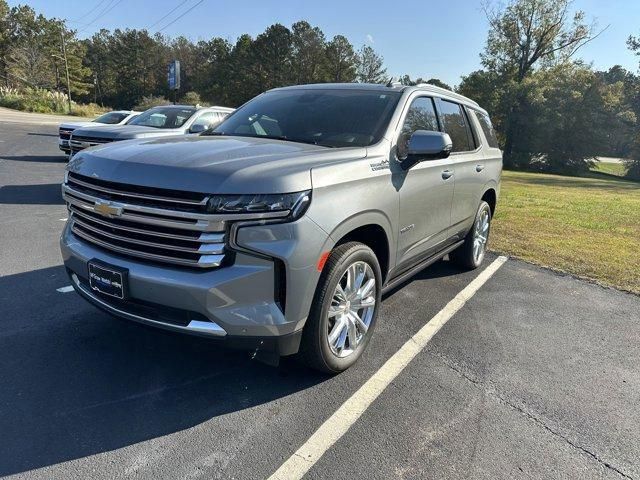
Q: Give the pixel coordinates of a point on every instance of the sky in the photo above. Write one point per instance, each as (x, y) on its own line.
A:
(421, 38)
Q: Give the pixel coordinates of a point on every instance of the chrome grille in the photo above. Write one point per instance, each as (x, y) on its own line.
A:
(154, 224)
(65, 133)
(78, 143)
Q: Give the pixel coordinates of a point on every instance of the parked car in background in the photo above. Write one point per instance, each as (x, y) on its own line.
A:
(280, 229)
(155, 122)
(117, 117)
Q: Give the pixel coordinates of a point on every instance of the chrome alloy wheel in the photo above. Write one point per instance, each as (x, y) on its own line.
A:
(481, 234)
(351, 310)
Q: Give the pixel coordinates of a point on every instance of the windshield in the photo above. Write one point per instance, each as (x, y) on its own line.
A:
(163, 117)
(328, 117)
(111, 118)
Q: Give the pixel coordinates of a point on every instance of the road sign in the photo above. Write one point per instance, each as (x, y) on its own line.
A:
(173, 76)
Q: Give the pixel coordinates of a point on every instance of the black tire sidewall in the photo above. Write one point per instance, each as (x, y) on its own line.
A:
(359, 252)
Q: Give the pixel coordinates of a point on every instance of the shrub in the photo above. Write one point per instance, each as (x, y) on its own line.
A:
(44, 101)
(193, 98)
(88, 110)
(149, 101)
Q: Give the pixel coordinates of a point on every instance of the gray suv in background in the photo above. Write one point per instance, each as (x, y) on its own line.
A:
(116, 117)
(279, 230)
(156, 122)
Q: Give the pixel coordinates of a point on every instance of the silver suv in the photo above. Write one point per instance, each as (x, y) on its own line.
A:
(279, 230)
(116, 117)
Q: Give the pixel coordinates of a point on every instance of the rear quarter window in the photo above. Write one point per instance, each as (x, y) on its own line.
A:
(487, 129)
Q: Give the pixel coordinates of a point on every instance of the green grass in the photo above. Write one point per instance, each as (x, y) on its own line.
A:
(589, 227)
(617, 169)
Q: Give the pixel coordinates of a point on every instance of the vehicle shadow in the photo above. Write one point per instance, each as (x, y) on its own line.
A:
(76, 382)
(39, 194)
(439, 269)
(61, 158)
(35, 134)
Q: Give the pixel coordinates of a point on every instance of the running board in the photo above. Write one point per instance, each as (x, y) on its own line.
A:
(403, 277)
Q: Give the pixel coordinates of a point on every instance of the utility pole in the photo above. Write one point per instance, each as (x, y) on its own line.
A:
(66, 68)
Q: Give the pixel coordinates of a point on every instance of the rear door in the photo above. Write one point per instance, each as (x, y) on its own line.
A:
(426, 191)
(466, 163)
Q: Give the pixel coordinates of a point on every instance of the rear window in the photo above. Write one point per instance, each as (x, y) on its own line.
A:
(487, 129)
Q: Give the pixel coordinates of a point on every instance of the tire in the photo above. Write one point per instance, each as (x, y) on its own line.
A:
(465, 255)
(317, 349)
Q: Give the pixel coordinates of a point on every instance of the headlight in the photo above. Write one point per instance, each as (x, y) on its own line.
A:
(295, 203)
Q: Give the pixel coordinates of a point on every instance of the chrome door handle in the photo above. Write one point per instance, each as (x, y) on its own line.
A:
(479, 167)
(446, 174)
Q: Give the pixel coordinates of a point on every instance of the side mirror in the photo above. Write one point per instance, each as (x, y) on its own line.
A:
(197, 128)
(426, 145)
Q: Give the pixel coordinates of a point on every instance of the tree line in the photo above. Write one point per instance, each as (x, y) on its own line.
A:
(119, 68)
(552, 111)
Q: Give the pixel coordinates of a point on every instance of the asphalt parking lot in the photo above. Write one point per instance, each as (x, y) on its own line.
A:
(536, 376)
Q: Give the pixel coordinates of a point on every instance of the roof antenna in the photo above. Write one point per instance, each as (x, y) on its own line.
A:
(392, 84)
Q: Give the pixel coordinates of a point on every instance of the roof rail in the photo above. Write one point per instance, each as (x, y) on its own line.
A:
(445, 91)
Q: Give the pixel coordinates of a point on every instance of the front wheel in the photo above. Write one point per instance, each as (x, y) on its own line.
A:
(344, 309)
(471, 253)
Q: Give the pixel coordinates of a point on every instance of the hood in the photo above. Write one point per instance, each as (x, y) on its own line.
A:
(125, 132)
(211, 164)
(75, 125)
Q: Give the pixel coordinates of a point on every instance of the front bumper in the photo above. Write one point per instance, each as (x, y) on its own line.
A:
(64, 145)
(238, 304)
(282, 345)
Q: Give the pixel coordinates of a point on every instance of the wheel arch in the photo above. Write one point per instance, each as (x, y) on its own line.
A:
(373, 229)
(490, 195)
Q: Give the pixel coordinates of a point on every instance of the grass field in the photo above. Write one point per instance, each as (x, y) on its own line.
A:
(617, 169)
(589, 227)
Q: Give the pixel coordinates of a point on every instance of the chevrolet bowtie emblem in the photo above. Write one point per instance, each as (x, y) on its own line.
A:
(107, 209)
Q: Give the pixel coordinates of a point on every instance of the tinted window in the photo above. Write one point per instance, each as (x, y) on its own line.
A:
(420, 116)
(111, 118)
(455, 124)
(487, 129)
(328, 117)
(163, 117)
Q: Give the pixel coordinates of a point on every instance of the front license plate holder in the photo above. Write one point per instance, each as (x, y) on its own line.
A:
(107, 279)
